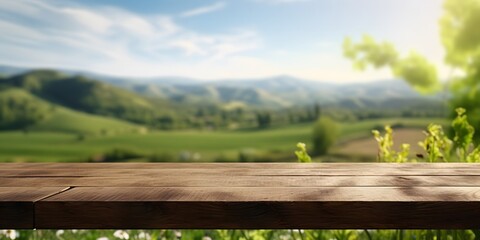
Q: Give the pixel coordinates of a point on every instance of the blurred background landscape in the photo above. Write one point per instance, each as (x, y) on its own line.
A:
(238, 81)
(222, 81)
(50, 115)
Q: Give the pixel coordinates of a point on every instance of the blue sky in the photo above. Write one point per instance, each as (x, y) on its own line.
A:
(212, 39)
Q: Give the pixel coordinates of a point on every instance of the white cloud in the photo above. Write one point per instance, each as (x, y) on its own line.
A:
(90, 20)
(188, 46)
(203, 10)
(111, 40)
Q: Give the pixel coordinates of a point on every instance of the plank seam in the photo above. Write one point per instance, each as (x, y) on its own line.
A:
(43, 198)
(53, 194)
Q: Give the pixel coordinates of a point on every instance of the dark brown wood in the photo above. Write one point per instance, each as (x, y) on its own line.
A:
(17, 205)
(258, 215)
(240, 195)
(347, 207)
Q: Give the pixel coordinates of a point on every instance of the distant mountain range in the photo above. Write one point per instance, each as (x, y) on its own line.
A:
(274, 92)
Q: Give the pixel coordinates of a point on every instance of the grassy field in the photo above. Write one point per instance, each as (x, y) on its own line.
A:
(277, 144)
(69, 121)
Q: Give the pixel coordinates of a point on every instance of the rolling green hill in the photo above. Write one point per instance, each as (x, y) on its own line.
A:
(255, 98)
(207, 105)
(272, 92)
(20, 109)
(66, 120)
(88, 95)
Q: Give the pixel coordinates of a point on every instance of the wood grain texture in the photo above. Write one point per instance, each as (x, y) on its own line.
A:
(153, 172)
(240, 195)
(17, 205)
(244, 181)
(210, 165)
(268, 194)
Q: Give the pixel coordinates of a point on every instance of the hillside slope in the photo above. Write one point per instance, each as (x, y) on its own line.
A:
(67, 120)
(277, 92)
(88, 95)
(271, 92)
(20, 109)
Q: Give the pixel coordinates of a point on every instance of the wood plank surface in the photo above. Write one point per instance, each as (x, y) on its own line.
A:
(152, 172)
(209, 165)
(267, 194)
(239, 195)
(243, 181)
(17, 205)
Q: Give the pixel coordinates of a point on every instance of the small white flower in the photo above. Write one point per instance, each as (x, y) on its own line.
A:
(60, 233)
(74, 230)
(12, 234)
(121, 234)
(178, 234)
(144, 235)
(206, 238)
(102, 238)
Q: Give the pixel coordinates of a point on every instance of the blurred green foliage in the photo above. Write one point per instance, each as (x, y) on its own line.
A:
(369, 52)
(413, 68)
(461, 40)
(417, 72)
(325, 133)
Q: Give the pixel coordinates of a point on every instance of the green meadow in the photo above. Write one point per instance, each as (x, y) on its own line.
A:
(276, 144)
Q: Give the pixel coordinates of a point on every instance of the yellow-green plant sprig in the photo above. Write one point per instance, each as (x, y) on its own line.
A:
(385, 147)
(302, 154)
(437, 146)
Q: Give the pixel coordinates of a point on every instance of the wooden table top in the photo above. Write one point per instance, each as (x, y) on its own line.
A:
(239, 195)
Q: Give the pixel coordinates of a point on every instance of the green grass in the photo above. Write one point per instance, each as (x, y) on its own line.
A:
(65, 147)
(70, 121)
(280, 142)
